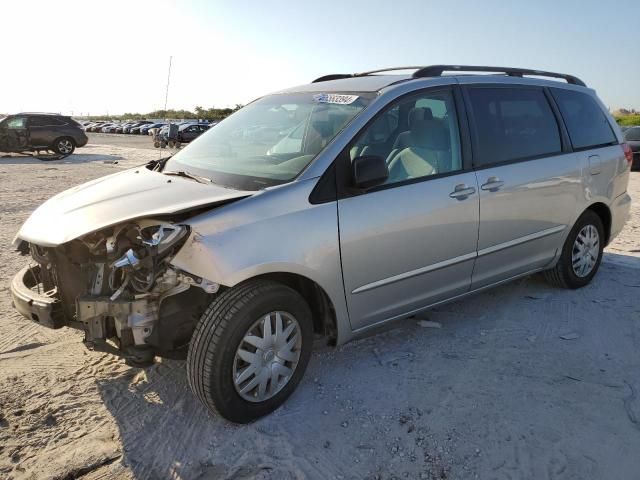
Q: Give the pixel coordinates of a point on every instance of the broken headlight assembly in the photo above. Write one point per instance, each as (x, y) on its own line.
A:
(141, 255)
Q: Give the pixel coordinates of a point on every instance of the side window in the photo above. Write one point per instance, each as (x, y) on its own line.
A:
(418, 136)
(45, 122)
(17, 123)
(586, 122)
(379, 136)
(511, 124)
(37, 122)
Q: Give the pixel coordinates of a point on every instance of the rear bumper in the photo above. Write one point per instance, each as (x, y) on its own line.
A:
(619, 214)
(82, 141)
(38, 307)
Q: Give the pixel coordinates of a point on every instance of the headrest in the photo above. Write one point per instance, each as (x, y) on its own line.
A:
(430, 134)
(419, 114)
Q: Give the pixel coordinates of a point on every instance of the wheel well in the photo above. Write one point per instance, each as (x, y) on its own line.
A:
(322, 310)
(605, 215)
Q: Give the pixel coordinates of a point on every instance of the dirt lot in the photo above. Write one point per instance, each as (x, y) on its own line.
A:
(521, 382)
(121, 140)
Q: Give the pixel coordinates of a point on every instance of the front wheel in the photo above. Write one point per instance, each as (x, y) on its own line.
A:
(581, 253)
(64, 146)
(250, 349)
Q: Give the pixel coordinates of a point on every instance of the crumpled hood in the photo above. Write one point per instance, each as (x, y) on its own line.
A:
(116, 198)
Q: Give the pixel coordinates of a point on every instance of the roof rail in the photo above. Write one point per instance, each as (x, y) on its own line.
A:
(40, 113)
(339, 76)
(438, 70)
(333, 76)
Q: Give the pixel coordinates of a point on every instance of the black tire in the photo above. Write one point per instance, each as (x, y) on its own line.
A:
(64, 146)
(218, 334)
(563, 275)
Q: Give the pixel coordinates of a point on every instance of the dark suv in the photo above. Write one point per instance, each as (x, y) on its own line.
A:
(29, 132)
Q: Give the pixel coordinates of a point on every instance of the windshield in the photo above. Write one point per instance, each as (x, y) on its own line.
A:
(270, 141)
(632, 135)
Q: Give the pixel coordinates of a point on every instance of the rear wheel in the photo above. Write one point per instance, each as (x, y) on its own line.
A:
(581, 253)
(250, 349)
(64, 146)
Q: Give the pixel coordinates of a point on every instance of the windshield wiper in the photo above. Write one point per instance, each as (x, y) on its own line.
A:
(158, 165)
(185, 174)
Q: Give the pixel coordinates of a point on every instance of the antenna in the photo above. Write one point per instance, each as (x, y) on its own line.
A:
(166, 95)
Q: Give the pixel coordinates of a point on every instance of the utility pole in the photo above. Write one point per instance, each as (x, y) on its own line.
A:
(166, 95)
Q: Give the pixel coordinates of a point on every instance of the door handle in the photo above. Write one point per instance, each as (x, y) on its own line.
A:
(462, 191)
(493, 184)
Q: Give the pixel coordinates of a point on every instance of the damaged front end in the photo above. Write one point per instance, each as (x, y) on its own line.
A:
(117, 285)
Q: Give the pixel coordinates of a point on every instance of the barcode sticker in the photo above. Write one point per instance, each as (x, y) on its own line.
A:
(335, 98)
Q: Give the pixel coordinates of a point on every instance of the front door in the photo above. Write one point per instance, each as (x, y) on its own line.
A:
(412, 241)
(529, 182)
(14, 135)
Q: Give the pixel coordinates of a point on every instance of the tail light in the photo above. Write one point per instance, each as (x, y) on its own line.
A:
(628, 153)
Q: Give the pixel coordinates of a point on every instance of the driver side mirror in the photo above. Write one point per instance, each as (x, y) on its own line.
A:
(369, 171)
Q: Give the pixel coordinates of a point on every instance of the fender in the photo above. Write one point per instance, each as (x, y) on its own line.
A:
(274, 231)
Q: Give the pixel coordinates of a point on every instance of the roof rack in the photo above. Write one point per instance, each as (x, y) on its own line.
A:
(438, 70)
(39, 113)
(339, 76)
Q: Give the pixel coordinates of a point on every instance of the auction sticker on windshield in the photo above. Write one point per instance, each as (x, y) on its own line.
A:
(335, 98)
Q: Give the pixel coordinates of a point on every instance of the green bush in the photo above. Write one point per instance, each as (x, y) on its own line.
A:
(628, 120)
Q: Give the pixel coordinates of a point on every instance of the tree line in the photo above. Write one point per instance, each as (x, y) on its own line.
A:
(198, 112)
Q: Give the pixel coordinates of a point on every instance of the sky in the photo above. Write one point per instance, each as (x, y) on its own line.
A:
(111, 57)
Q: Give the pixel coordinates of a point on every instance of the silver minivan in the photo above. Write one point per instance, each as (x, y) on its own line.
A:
(329, 209)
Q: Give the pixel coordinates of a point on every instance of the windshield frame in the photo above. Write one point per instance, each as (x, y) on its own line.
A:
(255, 183)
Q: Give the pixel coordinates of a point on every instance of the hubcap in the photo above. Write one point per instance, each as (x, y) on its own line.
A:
(586, 249)
(267, 356)
(64, 146)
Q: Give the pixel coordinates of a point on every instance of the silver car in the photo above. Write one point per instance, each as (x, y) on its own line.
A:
(402, 192)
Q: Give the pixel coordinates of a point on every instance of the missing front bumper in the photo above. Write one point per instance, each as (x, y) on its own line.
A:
(131, 321)
(31, 301)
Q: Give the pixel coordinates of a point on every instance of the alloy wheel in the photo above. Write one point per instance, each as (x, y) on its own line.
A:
(65, 146)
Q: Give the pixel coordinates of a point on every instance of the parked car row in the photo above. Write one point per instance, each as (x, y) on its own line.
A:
(182, 132)
(118, 127)
(138, 127)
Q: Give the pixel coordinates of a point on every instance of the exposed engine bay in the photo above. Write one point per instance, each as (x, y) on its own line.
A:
(118, 284)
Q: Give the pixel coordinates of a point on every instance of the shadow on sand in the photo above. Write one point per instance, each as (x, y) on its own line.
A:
(76, 158)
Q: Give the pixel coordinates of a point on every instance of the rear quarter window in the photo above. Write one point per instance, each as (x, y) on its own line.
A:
(586, 123)
(512, 124)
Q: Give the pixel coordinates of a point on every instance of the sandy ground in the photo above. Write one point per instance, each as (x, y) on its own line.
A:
(122, 140)
(496, 393)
